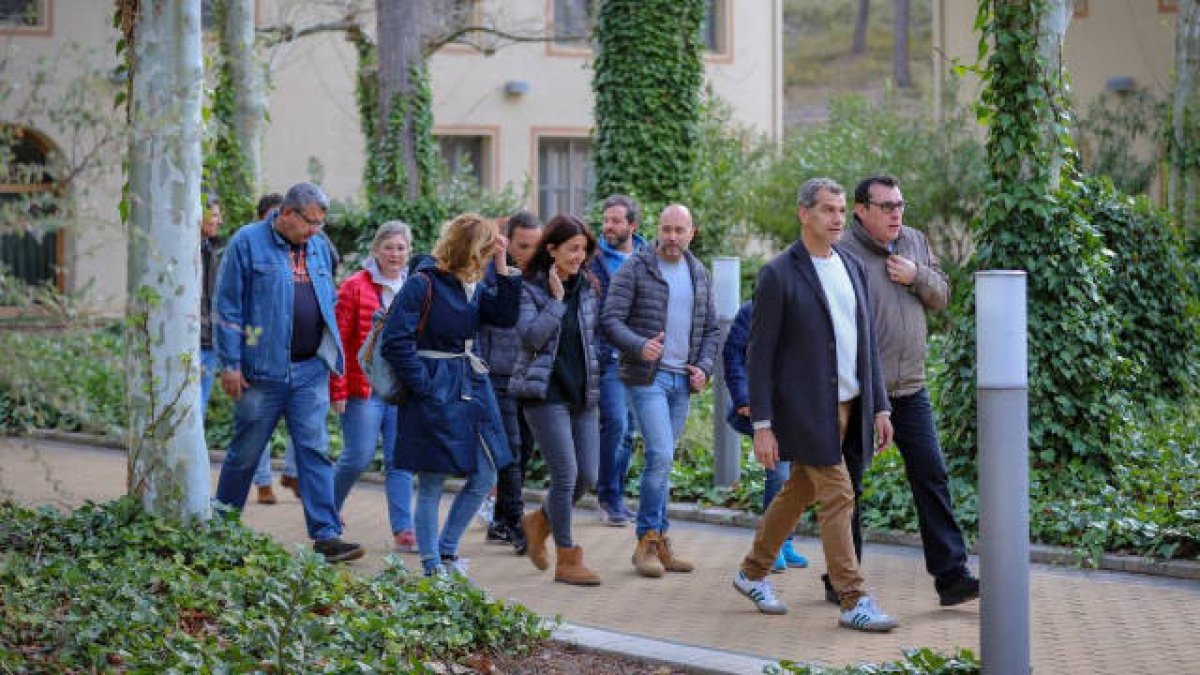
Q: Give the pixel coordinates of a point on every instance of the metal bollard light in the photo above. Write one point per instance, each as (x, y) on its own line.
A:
(1003, 398)
(727, 444)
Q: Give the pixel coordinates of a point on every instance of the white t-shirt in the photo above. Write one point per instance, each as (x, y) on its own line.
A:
(835, 281)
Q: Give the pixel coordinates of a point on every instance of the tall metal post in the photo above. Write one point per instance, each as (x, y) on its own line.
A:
(727, 444)
(1003, 383)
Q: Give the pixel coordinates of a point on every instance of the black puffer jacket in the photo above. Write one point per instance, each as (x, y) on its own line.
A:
(540, 326)
(500, 347)
(635, 310)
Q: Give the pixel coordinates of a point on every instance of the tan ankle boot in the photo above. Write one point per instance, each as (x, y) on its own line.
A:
(670, 561)
(569, 568)
(266, 495)
(537, 530)
(645, 556)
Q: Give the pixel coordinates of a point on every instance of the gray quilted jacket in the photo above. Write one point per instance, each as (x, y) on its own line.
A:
(635, 310)
(540, 325)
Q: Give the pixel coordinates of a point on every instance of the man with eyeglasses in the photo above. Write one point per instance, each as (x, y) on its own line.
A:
(277, 340)
(904, 281)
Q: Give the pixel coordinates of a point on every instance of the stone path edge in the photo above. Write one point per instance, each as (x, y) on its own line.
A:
(690, 658)
(1038, 553)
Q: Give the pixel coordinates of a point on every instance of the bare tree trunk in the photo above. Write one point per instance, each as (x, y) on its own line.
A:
(400, 58)
(859, 44)
(1054, 23)
(1183, 152)
(168, 461)
(249, 84)
(901, 72)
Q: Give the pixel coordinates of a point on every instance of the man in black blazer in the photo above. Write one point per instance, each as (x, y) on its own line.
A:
(816, 399)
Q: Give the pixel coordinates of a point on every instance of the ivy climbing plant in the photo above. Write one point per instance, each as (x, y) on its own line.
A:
(1035, 218)
(649, 70)
(227, 171)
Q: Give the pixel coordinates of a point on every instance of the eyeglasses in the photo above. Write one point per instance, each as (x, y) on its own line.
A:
(316, 223)
(889, 207)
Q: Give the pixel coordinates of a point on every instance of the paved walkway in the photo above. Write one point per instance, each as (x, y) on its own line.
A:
(1083, 621)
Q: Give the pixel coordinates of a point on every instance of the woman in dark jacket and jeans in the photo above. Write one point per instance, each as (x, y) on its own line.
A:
(557, 381)
(450, 423)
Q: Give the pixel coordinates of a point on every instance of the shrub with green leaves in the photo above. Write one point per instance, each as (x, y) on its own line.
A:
(111, 587)
(923, 661)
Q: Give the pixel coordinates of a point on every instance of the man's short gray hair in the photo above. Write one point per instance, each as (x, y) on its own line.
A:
(807, 196)
(303, 195)
(390, 229)
(630, 206)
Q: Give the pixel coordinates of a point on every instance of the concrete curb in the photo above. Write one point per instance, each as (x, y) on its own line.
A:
(1038, 553)
(692, 659)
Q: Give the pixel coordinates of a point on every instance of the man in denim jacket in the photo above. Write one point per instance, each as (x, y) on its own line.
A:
(277, 340)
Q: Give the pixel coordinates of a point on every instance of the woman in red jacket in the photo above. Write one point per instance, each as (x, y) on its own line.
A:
(365, 416)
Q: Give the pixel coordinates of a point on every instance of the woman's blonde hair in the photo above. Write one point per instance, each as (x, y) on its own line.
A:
(465, 246)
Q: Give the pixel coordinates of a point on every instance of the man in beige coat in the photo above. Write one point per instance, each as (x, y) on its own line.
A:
(904, 282)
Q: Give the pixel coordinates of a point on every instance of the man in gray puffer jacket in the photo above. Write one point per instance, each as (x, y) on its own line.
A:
(659, 313)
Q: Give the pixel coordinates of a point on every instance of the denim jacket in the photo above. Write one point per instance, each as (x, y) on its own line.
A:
(252, 305)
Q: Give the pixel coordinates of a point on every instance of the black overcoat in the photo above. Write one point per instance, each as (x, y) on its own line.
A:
(792, 360)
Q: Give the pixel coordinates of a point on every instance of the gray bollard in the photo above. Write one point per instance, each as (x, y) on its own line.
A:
(727, 443)
(1003, 383)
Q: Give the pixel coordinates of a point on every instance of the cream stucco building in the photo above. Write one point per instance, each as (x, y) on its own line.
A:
(520, 116)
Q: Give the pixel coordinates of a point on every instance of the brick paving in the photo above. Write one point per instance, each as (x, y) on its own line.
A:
(1083, 621)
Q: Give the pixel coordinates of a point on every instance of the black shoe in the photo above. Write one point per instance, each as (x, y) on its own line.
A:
(498, 533)
(830, 594)
(335, 550)
(517, 538)
(957, 590)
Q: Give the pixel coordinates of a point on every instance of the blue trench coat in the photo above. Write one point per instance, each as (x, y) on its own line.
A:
(451, 409)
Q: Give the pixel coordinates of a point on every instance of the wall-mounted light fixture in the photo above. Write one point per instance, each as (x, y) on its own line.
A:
(516, 87)
(1120, 84)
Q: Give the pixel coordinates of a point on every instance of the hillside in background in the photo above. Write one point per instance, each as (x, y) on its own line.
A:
(818, 63)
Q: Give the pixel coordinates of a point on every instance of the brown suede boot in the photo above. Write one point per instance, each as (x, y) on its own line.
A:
(670, 561)
(645, 556)
(266, 495)
(537, 530)
(569, 568)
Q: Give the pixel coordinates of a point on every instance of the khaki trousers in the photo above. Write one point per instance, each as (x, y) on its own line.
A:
(829, 485)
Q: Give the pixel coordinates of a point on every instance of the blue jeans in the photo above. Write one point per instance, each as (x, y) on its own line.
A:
(661, 410)
(466, 503)
(775, 478)
(208, 371)
(303, 401)
(616, 442)
(916, 438)
(364, 421)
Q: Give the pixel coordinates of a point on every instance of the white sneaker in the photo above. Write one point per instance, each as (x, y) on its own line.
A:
(457, 567)
(761, 592)
(487, 509)
(867, 616)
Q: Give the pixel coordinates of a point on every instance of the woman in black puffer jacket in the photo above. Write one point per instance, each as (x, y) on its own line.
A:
(557, 381)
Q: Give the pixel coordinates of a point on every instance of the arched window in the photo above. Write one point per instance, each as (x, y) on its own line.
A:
(31, 242)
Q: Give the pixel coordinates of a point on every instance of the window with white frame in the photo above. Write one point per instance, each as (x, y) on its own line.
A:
(565, 176)
(21, 14)
(573, 21)
(465, 156)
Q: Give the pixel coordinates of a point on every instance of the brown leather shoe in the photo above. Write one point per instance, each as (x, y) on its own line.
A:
(266, 495)
(537, 530)
(569, 568)
(290, 482)
(670, 561)
(645, 556)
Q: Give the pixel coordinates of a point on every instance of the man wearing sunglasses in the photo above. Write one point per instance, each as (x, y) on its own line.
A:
(905, 281)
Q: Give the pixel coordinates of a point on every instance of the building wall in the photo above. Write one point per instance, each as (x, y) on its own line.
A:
(314, 131)
(1106, 39)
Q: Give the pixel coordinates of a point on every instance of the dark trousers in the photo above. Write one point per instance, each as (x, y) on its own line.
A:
(916, 439)
(511, 479)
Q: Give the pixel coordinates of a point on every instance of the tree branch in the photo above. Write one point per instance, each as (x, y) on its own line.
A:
(436, 43)
(276, 35)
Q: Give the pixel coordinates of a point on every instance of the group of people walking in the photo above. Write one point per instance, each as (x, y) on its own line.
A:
(510, 334)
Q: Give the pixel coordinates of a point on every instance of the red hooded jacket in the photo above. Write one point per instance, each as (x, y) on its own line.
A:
(357, 300)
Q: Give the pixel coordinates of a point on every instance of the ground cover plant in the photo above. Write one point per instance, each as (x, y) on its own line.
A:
(915, 662)
(110, 587)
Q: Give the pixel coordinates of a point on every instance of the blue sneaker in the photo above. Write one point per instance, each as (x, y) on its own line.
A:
(790, 556)
(780, 564)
